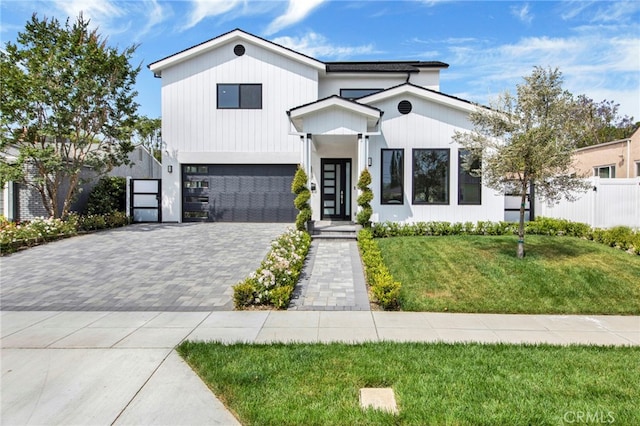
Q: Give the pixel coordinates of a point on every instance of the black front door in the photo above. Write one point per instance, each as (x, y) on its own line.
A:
(335, 187)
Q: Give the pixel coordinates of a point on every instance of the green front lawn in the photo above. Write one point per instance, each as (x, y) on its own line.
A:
(458, 384)
(559, 275)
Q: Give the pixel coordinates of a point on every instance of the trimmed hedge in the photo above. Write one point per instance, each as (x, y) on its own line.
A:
(621, 236)
(385, 289)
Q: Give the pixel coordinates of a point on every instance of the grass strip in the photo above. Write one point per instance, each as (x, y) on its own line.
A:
(460, 384)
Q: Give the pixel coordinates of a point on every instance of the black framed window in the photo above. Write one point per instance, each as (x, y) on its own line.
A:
(239, 96)
(430, 176)
(469, 185)
(392, 177)
(357, 93)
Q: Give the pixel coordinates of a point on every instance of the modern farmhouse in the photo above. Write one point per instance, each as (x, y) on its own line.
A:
(239, 113)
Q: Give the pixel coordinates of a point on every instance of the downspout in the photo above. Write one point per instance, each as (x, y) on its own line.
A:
(628, 158)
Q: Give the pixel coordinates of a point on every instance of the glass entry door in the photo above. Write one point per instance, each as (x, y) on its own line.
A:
(335, 187)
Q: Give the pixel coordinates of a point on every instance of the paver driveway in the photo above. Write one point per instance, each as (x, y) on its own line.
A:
(159, 267)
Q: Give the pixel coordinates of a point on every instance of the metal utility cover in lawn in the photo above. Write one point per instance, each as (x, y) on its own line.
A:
(378, 399)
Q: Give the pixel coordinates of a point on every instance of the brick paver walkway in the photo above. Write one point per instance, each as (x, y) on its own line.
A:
(332, 279)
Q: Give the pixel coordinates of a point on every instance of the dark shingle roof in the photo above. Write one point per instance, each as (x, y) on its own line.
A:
(383, 66)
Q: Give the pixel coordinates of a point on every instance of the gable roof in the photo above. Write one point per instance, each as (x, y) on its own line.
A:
(234, 35)
(422, 92)
(383, 66)
(332, 67)
(371, 113)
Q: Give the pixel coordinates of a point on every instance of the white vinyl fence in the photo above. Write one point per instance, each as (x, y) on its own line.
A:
(610, 202)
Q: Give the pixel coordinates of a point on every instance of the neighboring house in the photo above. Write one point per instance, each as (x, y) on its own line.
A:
(239, 113)
(616, 159)
(22, 202)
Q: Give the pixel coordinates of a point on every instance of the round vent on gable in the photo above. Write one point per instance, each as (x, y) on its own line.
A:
(239, 50)
(404, 107)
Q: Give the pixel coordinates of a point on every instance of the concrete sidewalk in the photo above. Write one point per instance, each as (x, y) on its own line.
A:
(120, 367)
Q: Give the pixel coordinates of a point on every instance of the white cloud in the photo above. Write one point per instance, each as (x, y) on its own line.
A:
(601, 63)
(114, 18)
(296, 12)
(317, 46)
(103, 14)
(522, 13)
(205, 8)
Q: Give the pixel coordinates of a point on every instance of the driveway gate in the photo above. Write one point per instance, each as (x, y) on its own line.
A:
(145, 200)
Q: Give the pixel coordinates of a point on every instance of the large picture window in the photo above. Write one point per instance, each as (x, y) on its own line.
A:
(430, 176)
(392, 176)
(239, 96)
(469, 186)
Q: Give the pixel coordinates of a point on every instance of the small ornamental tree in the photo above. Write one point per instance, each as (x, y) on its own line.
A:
(301, 202)
(529, 139)
(364, 199)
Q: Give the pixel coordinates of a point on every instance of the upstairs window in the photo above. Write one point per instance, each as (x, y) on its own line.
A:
(239, 96)
(605, 172)
(357, 93)
(392, 176)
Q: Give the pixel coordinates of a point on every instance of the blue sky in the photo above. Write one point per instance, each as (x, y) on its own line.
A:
(489, 45)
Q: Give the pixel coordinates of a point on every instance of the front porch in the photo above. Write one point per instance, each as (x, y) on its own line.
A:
(334, 133)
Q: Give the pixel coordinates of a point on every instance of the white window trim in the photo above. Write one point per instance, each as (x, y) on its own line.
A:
(611, 167)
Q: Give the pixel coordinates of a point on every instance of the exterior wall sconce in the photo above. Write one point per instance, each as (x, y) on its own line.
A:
(369, 161)
(170, 168)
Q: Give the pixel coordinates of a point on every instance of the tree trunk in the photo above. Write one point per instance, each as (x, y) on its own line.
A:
(523, 200)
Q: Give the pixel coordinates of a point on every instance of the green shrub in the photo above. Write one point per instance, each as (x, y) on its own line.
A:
(384, 288)
(619, 236)
(243, 294)
(108, 196)
(301, 202)
(363, 217)
(280, 297)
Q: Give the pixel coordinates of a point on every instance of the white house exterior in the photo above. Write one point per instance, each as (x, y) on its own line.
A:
(239, 113)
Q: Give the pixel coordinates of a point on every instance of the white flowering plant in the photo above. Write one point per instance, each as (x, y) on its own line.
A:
(273, 283)
(19, 235)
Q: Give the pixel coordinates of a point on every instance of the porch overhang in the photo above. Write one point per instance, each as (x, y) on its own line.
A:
(335, 116)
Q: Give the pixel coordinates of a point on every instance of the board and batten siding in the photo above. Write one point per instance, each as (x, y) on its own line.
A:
(429, 125)
(332, 84)
(193, 124)
(195, 131)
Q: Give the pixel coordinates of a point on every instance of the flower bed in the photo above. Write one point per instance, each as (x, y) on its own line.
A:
(273, 283)
(15, 236)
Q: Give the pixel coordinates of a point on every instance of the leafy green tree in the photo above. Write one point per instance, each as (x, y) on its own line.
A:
(148, 133)
(67, 101)
(526, 139)
(603, 122)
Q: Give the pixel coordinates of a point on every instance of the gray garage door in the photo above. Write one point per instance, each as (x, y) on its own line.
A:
(238, 193)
